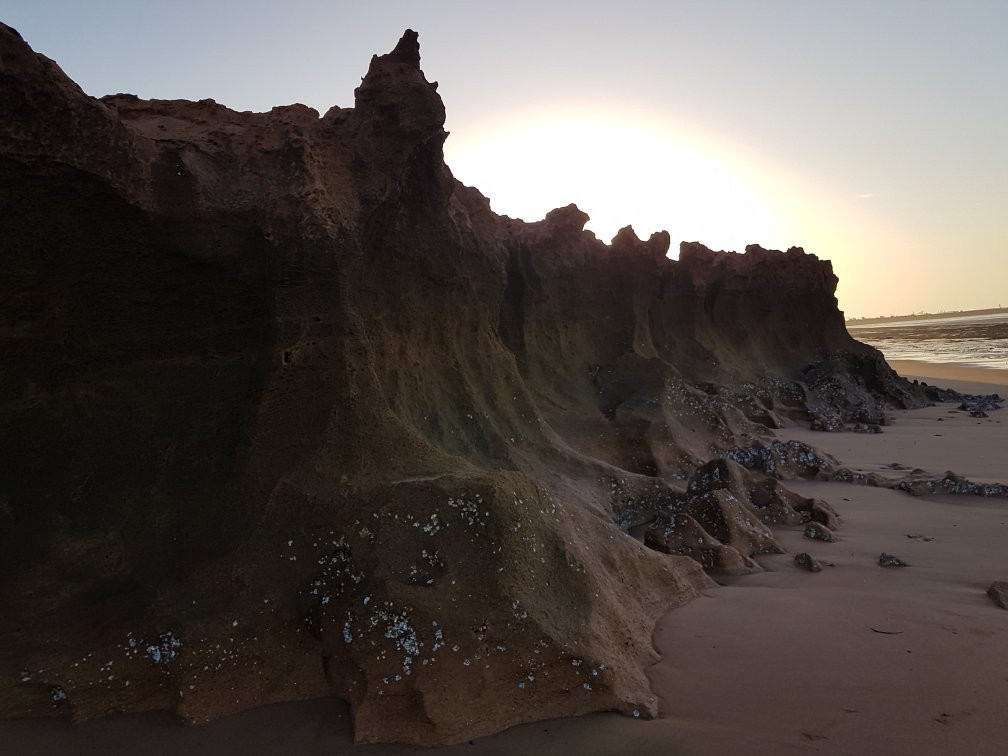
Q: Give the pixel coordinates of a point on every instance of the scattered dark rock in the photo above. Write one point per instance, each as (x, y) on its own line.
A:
(999, 593)
(818, 532)
(808, 562)
(978, 413)
(980, 402)
(888, 560)
(950, 484)
(864, 428)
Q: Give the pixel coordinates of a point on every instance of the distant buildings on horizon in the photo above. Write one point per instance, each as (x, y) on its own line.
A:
(923, 315)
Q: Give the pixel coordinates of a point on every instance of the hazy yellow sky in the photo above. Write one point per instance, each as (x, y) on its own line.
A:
(872, 134)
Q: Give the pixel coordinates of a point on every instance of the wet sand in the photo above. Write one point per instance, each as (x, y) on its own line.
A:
(856, 659)
(965, 378)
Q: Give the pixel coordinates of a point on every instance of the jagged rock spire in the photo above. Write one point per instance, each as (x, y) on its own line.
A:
(407, 49)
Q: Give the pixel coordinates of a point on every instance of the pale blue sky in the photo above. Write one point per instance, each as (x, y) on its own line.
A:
(874, 131)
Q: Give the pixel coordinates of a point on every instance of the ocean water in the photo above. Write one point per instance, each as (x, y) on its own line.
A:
(980, 340)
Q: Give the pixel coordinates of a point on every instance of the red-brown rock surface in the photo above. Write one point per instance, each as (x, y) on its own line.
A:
(286, 411)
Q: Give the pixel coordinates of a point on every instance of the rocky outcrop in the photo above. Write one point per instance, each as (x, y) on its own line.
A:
(998, 593)
(288, 412)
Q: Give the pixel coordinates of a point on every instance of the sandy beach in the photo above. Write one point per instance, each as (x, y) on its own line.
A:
(856, 659)
(965, 378)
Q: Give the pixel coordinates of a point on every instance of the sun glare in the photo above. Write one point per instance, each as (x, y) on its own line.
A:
(619, 173)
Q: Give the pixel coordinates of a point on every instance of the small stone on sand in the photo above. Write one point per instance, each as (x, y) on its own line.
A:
(888, 560)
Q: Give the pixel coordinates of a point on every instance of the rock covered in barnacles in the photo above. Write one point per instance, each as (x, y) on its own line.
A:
(782, 459)
(772, 503)
(980, 403)
(950, 484)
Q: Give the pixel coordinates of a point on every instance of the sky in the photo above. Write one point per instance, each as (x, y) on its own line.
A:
(873, 134)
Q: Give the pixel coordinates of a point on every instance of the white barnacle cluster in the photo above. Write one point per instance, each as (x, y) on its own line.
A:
(432, 557)
(587, 674)
(396, 626)
(432, 526)
(164, 649)
(337, 572)
(471, 510)
(753, 458)
(347, 629)
(438, 637)
(547, 504)
(431, 565)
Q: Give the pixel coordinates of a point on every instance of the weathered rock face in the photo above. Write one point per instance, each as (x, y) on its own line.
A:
(286, 411)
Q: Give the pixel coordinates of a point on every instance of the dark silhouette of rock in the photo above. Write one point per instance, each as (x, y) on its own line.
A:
(950, 484)
(807, 562)
(888, 560)
(979, 403)
(864, 428)
(999, 593)
(286, 411)
(818, 532)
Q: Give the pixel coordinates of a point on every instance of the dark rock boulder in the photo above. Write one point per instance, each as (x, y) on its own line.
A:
(998, 593)
(818, 532)
(888, 560)
(807, 562)
(980, 403)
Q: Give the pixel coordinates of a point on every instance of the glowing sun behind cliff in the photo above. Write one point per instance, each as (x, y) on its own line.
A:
(619, 173)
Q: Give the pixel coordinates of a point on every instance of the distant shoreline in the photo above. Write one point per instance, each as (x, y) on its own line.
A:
(925, 316)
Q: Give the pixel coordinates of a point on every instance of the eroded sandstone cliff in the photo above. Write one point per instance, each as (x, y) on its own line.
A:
(288, 412)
